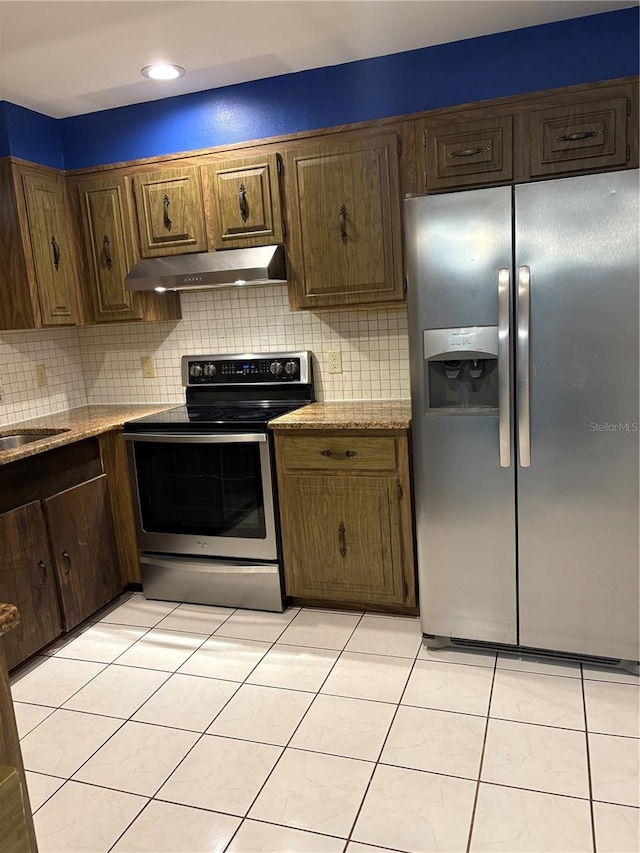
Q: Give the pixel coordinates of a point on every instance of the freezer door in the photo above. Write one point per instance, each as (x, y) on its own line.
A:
(459, 256)
(577, 243)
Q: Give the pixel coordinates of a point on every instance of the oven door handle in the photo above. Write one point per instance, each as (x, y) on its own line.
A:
(190, 438)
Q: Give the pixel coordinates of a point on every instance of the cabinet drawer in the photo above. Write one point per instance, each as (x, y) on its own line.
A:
(575, 137)
(343, 453)
(468, 153)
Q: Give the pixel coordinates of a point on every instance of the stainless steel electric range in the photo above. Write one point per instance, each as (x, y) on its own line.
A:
(203, 481)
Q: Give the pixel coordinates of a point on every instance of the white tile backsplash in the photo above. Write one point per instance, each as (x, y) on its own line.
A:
(101, 364)
(59, 351)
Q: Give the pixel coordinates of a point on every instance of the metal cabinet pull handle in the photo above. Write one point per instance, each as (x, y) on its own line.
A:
(331, 455)
(67, 562)
(107, 254)
(242, 203)
(342, 539)
(468, 152)
(167, 221)
(342, 220)
(56, 252)
(578, 137)
(43, 568)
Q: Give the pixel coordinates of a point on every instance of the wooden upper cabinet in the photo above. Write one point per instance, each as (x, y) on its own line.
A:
(243, 200)
(588, 134)
(460, 152)
(109, 248)
(170, 212)
(105, 211)
(54, 256)
(84, 549)
(27, 579)
(38, 262)
(344, 201)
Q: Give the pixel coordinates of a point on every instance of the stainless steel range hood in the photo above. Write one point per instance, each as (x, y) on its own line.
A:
(226, 268)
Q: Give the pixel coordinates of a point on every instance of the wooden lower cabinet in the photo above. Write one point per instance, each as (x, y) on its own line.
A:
(13, 815)
(17, 834)
(27, 578)
(58, 556)
(346, 519)
(84, 549)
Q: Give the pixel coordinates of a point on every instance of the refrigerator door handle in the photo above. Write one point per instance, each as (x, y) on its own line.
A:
(524, 414)
(504, 372)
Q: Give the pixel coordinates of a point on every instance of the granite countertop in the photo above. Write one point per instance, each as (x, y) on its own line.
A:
(9, 617)
(78, 424)
(348, 414)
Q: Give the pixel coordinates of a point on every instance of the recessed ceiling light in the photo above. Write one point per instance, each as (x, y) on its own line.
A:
(162, 71)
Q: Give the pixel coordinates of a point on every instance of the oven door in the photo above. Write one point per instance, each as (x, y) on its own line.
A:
(210, 495)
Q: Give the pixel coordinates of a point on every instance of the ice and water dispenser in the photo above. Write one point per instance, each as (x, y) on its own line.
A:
(461, 368)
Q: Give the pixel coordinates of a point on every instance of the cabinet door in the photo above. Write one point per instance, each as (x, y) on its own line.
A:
(346, 240)
(245, 202)
(53, 251)
(84, 550)
(170, 212)
(27, 579)
(341, 538)
(106, 221)
(578, 137)
(467, 153)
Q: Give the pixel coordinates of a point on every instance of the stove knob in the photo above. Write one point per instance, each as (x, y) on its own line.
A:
(290, 368)
(195, 370)
(210, 370)
(276, 368)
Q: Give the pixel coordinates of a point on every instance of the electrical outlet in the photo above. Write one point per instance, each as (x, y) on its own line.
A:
(148, 367)
(334, 359)
(41, 375)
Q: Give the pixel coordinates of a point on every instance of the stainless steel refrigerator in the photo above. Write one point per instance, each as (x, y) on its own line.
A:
(523, 318)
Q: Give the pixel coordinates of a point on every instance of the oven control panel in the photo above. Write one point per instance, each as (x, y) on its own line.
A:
(264, 368)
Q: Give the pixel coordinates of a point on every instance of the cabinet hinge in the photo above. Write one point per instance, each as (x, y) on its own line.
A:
(399, 148)
(424, 175)
(284, 228)
(424, 138)
(279, 165)
(405, 590)
(400, 492)
(628, 107)
(404, 287)
(628, 152)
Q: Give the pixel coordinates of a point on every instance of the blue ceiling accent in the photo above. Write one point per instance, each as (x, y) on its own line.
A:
(580, 50)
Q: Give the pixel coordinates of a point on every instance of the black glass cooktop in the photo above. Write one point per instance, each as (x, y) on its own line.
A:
(221, 416)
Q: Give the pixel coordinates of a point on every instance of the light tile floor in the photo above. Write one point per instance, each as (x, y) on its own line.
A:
(182, 729)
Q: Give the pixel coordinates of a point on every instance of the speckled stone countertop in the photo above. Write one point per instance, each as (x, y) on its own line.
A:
(9, 617)
(78, 424)
(348, 414)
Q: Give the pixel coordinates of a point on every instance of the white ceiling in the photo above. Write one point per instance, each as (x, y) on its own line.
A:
(67, 57)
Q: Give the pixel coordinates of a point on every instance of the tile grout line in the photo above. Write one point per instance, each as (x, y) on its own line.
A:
(285, 747)
(122, 721)
(484, 745)
(586, 739)
(384, 743)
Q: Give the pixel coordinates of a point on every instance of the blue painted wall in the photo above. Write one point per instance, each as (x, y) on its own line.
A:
(4, 136)
(33, 136)
(580, 50)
